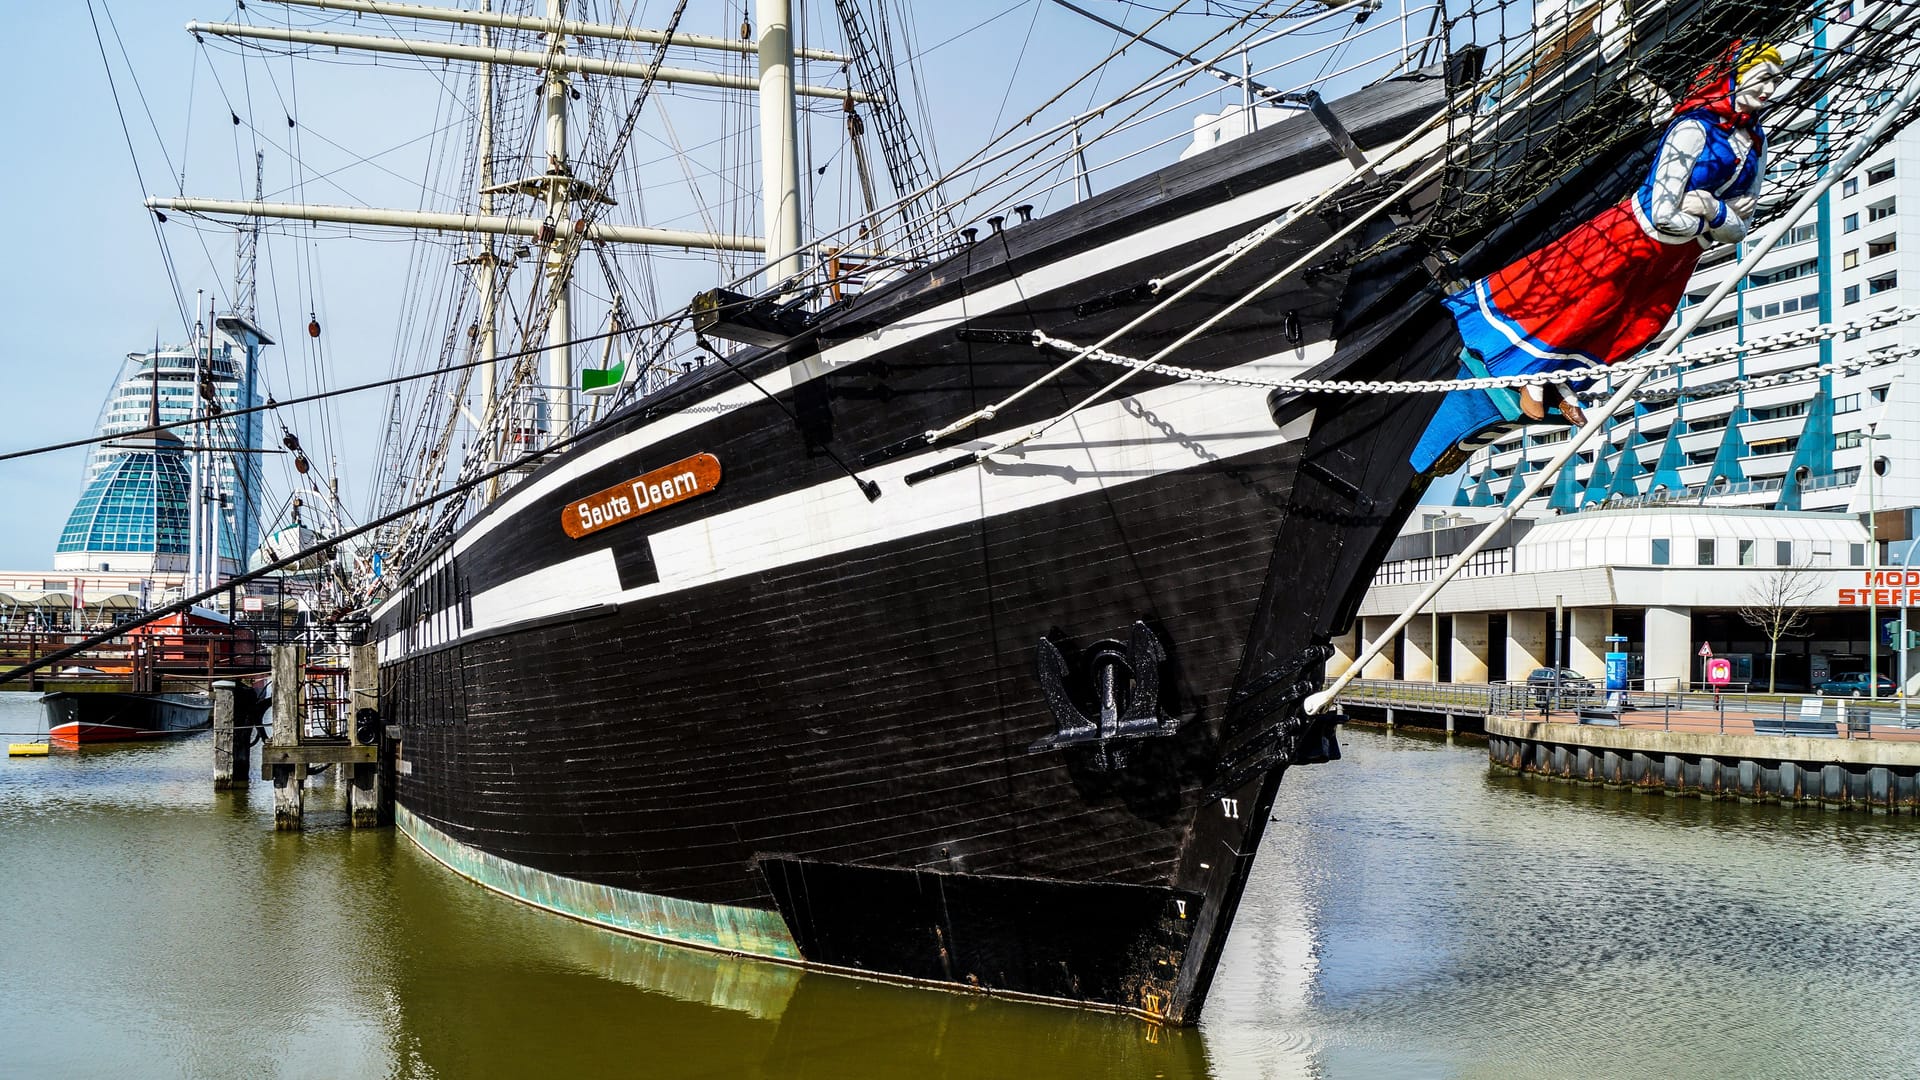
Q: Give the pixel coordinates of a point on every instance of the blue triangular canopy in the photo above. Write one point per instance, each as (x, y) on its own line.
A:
(1627, 468)
(1519, 483)
(1666, 471)
(1566, 491)
(1726, 460)
(1598, 481)
(1815, 451)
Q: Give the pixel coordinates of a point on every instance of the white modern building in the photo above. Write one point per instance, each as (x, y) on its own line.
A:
(1665, 578)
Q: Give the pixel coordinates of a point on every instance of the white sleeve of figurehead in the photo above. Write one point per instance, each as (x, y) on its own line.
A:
(1741, 207)
(1672, 170)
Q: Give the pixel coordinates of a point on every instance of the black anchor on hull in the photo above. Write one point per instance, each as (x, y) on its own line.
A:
(1124, 681)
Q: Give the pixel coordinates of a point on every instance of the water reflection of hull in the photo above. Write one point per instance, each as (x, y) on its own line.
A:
(673, 1011)
(74, 718)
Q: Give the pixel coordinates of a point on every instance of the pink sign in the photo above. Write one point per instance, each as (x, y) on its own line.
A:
(1719, 671)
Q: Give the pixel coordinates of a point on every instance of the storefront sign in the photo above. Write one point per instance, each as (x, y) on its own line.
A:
(1887, 588)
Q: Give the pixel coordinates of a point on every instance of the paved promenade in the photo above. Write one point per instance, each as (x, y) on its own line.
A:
(1736, 719)
(1694, 712)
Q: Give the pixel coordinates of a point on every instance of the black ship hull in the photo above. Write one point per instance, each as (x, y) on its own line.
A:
(1015, 727)
(75, 717)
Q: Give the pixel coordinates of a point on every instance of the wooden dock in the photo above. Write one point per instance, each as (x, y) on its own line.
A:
(135, 664)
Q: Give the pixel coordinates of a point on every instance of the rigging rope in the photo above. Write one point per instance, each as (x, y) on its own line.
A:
(1791, 340)
(396, 380)
(1245, 245)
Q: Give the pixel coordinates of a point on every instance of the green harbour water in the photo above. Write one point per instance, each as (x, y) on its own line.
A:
(1411, 914)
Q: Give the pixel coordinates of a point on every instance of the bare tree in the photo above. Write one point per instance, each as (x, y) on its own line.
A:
(1777, 607)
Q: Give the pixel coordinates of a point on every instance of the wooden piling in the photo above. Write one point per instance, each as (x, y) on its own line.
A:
(289, 781)
(232, 745)
(365, 796)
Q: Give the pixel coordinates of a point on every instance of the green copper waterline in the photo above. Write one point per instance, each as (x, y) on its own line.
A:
(722, 927)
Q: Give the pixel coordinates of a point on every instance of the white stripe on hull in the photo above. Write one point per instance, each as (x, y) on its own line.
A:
(1168, 429)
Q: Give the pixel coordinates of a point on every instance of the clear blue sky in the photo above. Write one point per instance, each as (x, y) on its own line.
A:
(87, 283)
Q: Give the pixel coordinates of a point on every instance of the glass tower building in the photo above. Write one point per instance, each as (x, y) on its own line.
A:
(132, 514)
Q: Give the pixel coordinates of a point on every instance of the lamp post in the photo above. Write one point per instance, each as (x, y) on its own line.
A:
(1876, 466)
(1434, 525)
(1906, 562)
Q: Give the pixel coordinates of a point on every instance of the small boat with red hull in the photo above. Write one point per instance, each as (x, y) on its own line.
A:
(75, 717)
(199, 643)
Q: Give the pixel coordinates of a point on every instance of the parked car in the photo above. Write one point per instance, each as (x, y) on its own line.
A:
(1854, 684)
(1574, 687)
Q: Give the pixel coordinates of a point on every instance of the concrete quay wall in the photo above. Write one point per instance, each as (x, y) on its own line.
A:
(1861, 774)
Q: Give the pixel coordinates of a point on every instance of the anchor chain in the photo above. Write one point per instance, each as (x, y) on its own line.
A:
(1793, 339)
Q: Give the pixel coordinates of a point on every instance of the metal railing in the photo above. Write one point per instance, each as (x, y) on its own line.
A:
(1696, 710)
(1466, 699)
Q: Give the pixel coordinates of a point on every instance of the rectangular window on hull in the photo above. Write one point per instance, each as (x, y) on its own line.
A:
(1662, 555)
(1706, 553)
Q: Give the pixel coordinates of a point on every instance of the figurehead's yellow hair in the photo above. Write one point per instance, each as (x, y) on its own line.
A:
(1752, 56)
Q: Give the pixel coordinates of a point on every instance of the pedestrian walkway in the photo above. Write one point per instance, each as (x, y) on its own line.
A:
(1697, 712)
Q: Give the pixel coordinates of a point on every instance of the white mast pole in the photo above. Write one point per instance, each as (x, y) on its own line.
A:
(559, 215)
(779, 140)
(210, 479)
(542, 59)
(193, 459)
(572, 28)
(447, 222)
(490, 432)
(214, 507)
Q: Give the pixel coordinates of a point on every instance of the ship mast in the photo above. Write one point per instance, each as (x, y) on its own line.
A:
(779, 140)
(196, 439)
(558, 227)
(559, 236)
(554, 228)
(775, 49)
(489, 264)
